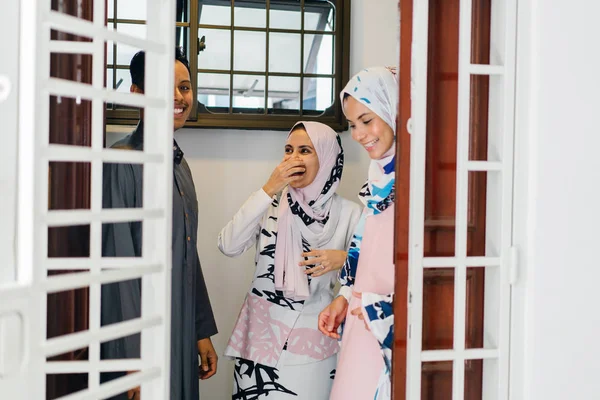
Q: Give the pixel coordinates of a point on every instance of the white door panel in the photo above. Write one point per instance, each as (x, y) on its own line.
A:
(24, 347)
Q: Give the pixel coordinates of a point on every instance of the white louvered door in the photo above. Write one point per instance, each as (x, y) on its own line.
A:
(23, 303)
(454, 358)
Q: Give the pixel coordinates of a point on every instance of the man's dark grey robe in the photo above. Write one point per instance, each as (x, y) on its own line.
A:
(191, 313)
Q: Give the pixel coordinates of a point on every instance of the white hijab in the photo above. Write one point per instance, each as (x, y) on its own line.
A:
(311, 213)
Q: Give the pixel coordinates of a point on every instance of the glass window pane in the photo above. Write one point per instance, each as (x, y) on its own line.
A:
(284, 95)
(125, 54)
(318, 94)
(123, 80)
(109, 52)
(137, 30)
(110, 12)
(182, 39)
(248, 94)
(284, 52)
(213, 93)
(318, 54)
(290, 18)
(182, 12)
(249, 51)
(311, 21)
(319, 17)
(254, 15)
(217, 54)
(110, 47)
(109, 84)
(131, 9)
(214, 15)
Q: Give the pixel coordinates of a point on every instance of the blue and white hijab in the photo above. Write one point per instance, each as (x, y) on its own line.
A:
(377, 89)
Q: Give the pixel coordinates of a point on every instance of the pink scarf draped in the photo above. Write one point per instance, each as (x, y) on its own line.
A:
(316, 217)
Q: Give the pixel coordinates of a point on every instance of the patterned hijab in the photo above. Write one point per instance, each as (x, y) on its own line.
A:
(308, 217)
(377, 89)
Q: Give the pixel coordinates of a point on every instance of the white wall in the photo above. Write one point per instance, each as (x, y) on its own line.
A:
(558, 171)
(229, 165)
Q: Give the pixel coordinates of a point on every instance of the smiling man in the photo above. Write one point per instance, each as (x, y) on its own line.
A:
(192, 320)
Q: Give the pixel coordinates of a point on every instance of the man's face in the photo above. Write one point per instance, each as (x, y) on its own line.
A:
(182, 97)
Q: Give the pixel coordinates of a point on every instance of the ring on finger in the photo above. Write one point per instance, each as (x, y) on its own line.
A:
(322, 267)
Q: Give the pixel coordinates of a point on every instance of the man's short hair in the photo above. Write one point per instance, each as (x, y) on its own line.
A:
(138, 62)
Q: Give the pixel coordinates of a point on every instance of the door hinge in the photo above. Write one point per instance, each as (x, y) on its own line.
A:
(409, 126)
(513, 267)
(5, 87)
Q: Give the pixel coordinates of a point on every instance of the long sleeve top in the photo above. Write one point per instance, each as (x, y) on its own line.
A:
(268, 321)
(191, 312)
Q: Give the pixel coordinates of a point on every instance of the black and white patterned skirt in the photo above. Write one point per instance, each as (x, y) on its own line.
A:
(311, 381)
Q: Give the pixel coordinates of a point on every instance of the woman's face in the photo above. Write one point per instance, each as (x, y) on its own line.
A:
(300, 147)
(368, 128)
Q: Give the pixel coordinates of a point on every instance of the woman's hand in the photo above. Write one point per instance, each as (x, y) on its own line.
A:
(357, 312)
(332, 316)
(324, 261)
(282, 175)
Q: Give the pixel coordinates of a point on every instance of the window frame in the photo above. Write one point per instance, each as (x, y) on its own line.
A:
(332, 116)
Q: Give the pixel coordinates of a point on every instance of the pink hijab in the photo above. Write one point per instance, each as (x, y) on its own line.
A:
(310, 214)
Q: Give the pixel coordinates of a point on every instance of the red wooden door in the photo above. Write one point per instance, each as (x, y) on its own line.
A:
(402, 206)
(440, 195)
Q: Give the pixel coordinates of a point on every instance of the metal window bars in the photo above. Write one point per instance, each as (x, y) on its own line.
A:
(232, 81)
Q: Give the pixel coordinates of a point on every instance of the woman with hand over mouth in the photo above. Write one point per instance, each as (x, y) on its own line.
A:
(301, 230)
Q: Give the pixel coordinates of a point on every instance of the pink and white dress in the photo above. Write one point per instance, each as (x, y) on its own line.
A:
(278, 349)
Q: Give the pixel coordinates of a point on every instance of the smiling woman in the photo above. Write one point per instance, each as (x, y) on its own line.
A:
(300, 228)
(368, 128)
(300, 148)
(365, 301)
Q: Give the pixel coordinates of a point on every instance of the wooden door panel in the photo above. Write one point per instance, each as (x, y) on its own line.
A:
(438, 309)
(436, 378)
(402, 206)
(440, 193)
